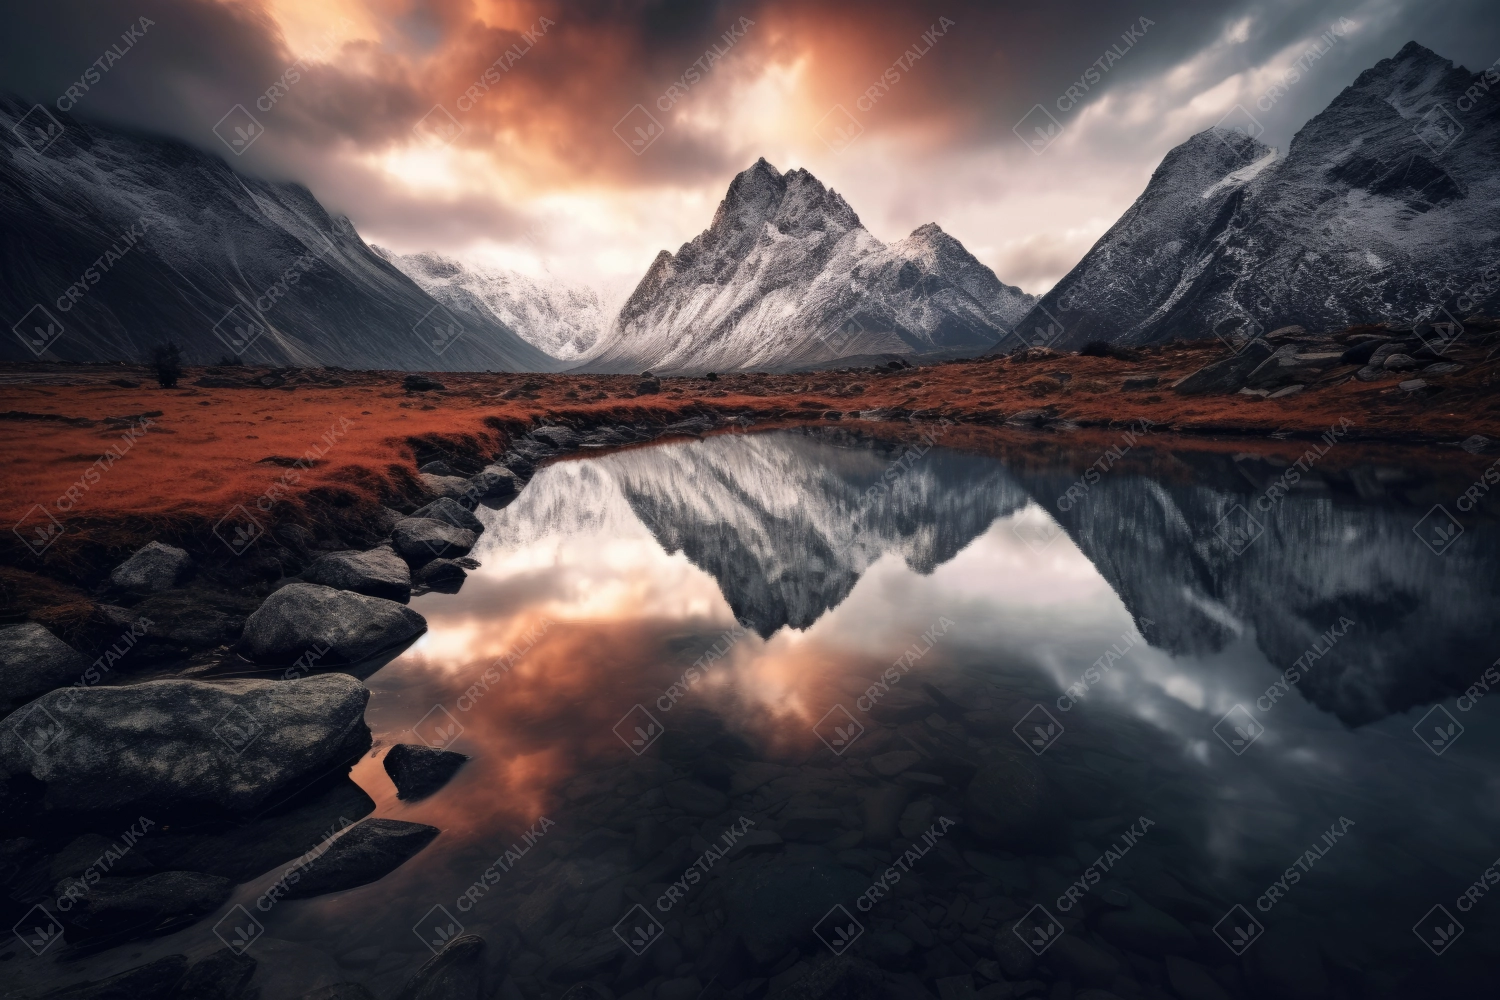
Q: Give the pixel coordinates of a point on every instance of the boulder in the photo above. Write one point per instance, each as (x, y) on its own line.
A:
(495, 481)
(182, 622)
(422, 539)
(33, 661)
(418, 771)
(154, 567)
(455, 973)
(232, 745)
(453, 487)
(337, 626)
(132, 908)
(1291, 364)
(1228, 375)
(420, 383)
(437, 467)
(445, 575)
(370, 850)
(453, 512)
(1399, 363)
(375, 573)
(1010, 802)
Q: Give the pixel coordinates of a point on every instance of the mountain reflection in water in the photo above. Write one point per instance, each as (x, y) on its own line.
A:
(740, 588)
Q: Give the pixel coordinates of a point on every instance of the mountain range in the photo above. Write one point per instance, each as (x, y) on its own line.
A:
(787, 276)
(1385, 208)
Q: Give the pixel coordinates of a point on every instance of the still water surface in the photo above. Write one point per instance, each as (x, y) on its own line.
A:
(740, 589)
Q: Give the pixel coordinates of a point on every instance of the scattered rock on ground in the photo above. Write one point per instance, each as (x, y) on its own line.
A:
(1010, 802)
(152, 568)
(1228, 375)
(420, 383)
(135, 907)
(370, 850)
(230, 745)
(341, 626)
(33, 661)
(419, 771)
(376, 573)
(421, 539)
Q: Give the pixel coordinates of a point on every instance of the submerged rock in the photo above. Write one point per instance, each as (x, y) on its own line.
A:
(228, 745)
(455, 973)
(419, 771)
(33, 661)
(369, 851)
(1009, 802)
(339, 626)
(153, 567)
(375, 573)
(132, 908)
(422, 539)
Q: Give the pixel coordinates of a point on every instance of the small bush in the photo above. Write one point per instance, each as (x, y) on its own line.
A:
(167, 360)
(1104, 349)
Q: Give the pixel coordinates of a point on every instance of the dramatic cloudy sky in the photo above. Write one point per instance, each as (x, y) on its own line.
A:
(537, 176)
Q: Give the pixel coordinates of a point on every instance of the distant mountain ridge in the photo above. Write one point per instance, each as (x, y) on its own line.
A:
(562, 319)
(786, 275)
(1385, 208)
(217, 261)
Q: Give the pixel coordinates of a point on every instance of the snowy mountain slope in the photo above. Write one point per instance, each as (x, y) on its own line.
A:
(1385, 207)
(787, 275)
(561, 319)
(158, 241)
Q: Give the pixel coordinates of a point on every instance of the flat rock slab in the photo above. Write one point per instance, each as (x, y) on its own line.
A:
(129, 909)
(154, 567)
(367, 852)
(33, 661)
(375, 573)
(232, 745)
(1228, 375)
(453, 487)
(422, 539)
(339, 626)
(419, 771)
(453, 512)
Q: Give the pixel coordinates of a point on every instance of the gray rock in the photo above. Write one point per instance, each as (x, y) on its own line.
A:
(370, 850)
(446, 575)
(695, 798)
(232, 745)
(422, 539)
(1228, 375)
(418, 771)
(1146, 929)
(1291, 364)
(437, 467)
(495, 481)
(153, 567)
(1399, 363)
(1370, 373)
(33, 661)
(132, 908)
(455, 973)
(375, 573)
(1010, 802)
(452, 487)
(452, 512)
(337, 626)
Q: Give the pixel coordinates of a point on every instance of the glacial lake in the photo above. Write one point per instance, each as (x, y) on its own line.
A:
(674, 650)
